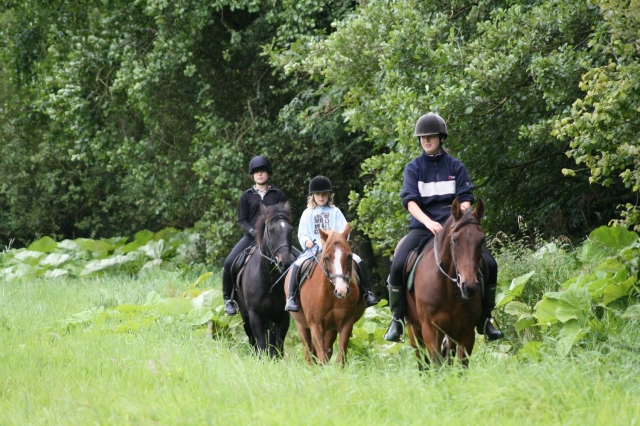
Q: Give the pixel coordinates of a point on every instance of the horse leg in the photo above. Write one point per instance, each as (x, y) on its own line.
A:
(281, 330)
(465, 347)
(305, 336)
(258, 331)
(317, 337)
(329, 338)
(343, 343)
(271, 333)
(432, 339)
(419, 347)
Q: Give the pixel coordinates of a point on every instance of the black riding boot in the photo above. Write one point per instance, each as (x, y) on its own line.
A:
(397, 301)
(292, 305)
(365, 284)
(227, 286)
(485, 326)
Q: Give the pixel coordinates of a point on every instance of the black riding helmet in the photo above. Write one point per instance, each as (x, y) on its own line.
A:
(431, 124)
(320, 184)
(259, 163)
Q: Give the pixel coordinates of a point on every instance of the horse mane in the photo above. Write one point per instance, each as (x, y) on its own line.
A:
(273, 212)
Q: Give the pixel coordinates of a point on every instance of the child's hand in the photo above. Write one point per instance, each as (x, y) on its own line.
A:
(309, 244)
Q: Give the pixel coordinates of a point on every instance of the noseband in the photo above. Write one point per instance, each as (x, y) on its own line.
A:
(458, 279)
(325, 269)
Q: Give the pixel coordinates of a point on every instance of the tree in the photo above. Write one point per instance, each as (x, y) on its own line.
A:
(500, 73)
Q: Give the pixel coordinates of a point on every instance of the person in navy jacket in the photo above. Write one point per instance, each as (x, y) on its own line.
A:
(431, 182)
(248, 213)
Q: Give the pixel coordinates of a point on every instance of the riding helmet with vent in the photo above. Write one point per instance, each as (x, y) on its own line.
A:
(320, 184)
(431, 124)
(259, 163)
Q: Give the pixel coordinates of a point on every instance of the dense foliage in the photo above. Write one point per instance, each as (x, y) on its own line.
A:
(117, 116)
(505, 75)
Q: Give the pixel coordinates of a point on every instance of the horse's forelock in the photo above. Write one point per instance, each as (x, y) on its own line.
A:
(273, 212)
(336, 238)
(466, 219)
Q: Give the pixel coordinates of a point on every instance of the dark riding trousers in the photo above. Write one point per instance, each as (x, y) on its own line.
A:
(244, 242)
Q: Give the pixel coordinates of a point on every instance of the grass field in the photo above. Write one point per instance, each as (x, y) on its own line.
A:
(169, 373)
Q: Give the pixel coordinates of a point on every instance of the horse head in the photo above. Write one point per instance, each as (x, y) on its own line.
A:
(466, 238)
(273, 234)
(337, 260)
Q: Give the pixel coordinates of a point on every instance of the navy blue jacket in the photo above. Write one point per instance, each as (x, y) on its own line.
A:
(249, 206)
(433, 182)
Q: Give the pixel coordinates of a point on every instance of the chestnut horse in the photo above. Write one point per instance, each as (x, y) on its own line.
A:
(330, 301)
(447, 296)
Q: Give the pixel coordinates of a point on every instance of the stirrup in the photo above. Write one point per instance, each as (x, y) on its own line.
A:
(233, 305)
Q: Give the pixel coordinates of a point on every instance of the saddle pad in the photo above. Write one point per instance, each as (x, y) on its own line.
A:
(412, 274)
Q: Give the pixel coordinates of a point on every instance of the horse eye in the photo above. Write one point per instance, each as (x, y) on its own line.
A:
(454, 241)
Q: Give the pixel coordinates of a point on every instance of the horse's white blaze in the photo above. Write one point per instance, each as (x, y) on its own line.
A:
(282, 224)
(342, 288)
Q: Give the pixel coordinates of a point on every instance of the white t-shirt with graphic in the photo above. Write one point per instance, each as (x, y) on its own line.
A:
(322, 217)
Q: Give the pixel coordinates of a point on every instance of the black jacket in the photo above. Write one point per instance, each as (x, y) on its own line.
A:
(249, 206)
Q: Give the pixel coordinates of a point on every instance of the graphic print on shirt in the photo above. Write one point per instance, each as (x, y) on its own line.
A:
(321, 221)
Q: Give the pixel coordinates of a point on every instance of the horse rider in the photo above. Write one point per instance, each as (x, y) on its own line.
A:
(321, 213)
(248, 212)
(431, 182)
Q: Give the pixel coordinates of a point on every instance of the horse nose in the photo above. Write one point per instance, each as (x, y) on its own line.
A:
(469, 289)
(341, 294)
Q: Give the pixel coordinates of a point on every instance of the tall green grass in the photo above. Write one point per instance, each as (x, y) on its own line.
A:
(170, 373)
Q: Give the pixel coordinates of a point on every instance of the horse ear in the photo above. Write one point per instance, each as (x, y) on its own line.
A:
(346, 232)
(456, 212)
(286, 206)
(263, 209)
(323, 234)
(478, 211)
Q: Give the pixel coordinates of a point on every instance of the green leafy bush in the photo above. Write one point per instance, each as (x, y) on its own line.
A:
(590, 304)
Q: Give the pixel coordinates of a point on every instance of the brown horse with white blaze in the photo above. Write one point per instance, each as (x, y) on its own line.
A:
(447, 296)
(330, 301)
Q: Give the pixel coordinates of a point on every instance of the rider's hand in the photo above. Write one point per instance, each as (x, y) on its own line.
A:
(433, 226)
(309, 244)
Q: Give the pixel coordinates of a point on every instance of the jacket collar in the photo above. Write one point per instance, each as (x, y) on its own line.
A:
(434, 157)
(255, 191)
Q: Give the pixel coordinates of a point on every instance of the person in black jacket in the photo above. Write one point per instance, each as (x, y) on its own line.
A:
(248, 213)
(431, 182)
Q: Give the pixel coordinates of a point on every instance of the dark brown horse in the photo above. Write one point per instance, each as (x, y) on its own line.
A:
(260, 299)
(446, 303)
(330, 301)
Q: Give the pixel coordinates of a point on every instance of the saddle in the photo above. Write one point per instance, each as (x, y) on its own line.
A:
(309, 265)
(237, 267)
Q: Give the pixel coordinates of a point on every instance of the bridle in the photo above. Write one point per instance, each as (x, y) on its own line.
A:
(266, 240)
(325, 269)
(458, 279)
